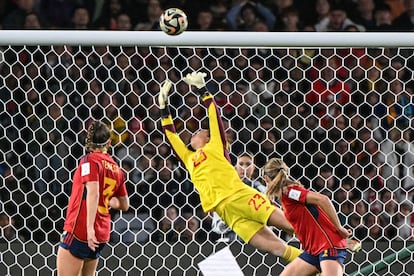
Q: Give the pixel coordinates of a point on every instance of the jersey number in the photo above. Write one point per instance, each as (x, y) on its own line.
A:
(257, 201)
(109, 186)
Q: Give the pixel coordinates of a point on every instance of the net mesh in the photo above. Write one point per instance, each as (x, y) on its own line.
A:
(342, 119)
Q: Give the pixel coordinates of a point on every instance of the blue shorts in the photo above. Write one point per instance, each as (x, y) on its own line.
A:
(79, 249)
(330, 254)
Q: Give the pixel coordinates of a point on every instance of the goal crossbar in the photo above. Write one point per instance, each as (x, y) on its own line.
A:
(206, 39)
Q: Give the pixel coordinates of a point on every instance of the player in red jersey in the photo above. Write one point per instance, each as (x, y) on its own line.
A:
(98, 184)
(314, 220)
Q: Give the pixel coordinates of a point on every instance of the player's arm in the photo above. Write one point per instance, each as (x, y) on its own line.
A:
(167, 123)
(326, 205)
(120, 199)
(217, 133)
(119, 203)
(92, 200)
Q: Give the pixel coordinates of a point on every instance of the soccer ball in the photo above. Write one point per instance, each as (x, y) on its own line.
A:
(173, 21)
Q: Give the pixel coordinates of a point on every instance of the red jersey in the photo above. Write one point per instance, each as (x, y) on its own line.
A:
(312, 225)
(94, 167)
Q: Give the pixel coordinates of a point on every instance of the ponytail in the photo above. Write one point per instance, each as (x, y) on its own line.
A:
(277, 171)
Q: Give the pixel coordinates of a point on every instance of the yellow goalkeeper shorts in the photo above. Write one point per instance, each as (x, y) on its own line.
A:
(246, 212)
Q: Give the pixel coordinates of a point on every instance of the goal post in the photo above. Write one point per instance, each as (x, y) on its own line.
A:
(337, 107)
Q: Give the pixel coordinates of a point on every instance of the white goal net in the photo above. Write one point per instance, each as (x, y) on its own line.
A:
(340, 117)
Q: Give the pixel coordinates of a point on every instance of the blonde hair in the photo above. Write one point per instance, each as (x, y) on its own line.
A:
(277, 170)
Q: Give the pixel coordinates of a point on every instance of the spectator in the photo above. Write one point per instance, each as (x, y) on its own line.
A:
(260, 26)
(242, 17)
(7, 230)
(279, 8)
(57, 14)
(291, 21)
(32, 22)
(397, 7)
(337, 21)
(397, 157)
(351, 28)
(405, 21)
(131, 228)
(219, 9)
(95, 8)
(15, 19)
(383, 18)
(80, 18)
(192, 230)
(322, 8)
(153, 14)
(375, 232)
(373, 184)
(123, 22)
(205, 20)
(406, 222)
(5, 9)
(365, 14)
(107, 19)
(389, 217)
(170, 225)
(400, 108)
(329, 94)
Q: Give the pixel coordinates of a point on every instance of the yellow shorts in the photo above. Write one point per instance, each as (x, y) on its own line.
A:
(246, 212)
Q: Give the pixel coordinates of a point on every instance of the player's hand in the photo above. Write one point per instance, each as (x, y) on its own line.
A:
(196, 79)
(163, 96)
(220, 227)
(92, 241)
(345, 233)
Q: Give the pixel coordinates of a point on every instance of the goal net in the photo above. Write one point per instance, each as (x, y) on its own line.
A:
(340, 115)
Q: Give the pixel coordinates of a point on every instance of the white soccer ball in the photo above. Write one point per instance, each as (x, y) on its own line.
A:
(173, 21)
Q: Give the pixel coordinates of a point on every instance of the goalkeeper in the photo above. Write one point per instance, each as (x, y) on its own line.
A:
(245, 210)
(245, 169)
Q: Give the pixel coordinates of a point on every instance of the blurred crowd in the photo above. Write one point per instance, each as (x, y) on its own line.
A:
(212, 15)
(342, 119)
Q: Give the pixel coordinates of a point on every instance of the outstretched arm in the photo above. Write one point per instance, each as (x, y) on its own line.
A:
(217, 132)
(167, 124)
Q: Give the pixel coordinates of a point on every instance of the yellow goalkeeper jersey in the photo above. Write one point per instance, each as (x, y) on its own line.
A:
(209, 167)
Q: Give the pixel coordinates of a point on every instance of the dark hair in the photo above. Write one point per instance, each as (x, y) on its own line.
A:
(382, 7)
(338, 7)
(249, 6)
(97, 136)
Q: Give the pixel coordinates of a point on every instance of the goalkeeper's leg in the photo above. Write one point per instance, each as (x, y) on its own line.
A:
(265, 239)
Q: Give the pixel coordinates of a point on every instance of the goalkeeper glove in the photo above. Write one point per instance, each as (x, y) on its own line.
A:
(196, 79)
(162, 97)
(218, 225)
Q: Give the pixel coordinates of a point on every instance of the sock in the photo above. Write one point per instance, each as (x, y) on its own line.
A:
(291, 253)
